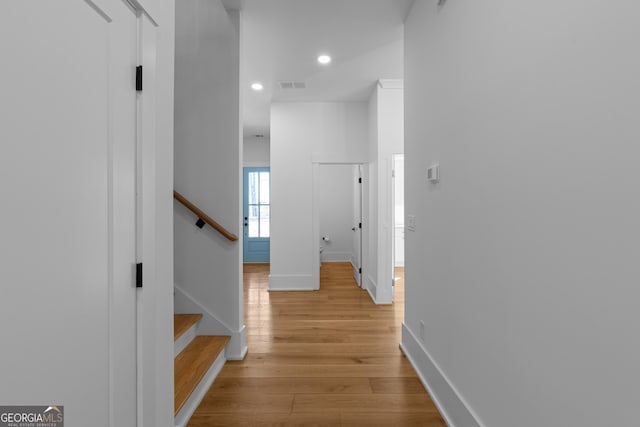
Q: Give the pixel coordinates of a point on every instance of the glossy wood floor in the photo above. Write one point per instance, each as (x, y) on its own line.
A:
(325, 358)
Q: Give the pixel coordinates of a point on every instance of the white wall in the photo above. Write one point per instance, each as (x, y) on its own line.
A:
(161, 412)
(336, 212)
(524, 261)
(303, 133)
(207, 166)
(398, 214)
(256, 152)
(386, 137)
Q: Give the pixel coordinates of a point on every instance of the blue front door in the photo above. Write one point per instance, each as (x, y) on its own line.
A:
(257, 214)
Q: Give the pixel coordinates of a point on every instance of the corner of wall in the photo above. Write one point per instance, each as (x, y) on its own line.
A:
(451, 405)
(237, 347)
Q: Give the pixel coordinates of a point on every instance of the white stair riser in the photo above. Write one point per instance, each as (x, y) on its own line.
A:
(198, 394)
(185, 339)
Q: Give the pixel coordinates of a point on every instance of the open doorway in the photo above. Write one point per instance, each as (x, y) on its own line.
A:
(257, 214)
(398, 220)
(337, 220)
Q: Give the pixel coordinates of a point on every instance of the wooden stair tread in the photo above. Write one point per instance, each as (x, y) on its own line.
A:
(191, 365)
(182, 323)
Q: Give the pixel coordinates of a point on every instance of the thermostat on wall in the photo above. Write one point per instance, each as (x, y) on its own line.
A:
(433, 173)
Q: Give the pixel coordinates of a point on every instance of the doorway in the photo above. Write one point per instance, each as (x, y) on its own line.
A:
(257, 214)
(337, 217)
(397, 219)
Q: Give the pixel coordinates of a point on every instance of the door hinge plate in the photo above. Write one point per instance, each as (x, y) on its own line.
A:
(139, 275)
(139, 78)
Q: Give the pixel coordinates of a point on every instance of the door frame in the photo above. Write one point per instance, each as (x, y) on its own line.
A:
(245, 206)
(314, 250)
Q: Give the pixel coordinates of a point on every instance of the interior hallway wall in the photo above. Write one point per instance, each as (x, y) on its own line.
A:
(386, 137)
(208, 166)
(256, 152)
(524, 262)
(301, 134)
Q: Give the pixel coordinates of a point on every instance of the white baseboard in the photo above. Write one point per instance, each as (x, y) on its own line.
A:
(328, 256)
(356, 273)
(453, 408)
(198, 394)
(371, 287)
(291, 282)
(237, 347)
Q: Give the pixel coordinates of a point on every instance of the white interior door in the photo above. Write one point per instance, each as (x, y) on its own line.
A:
(67, 167)
(357, 224)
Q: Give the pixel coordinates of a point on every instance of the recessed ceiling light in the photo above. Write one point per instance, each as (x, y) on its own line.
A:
(257, 86)
(324, 59)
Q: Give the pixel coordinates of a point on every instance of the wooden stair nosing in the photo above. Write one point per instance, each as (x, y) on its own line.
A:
(191, 365)
(182, 323)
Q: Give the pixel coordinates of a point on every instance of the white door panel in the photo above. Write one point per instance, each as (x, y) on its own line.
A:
(357, 224)
(66, 240)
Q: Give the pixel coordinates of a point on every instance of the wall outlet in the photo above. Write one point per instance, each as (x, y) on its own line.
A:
(422, 331)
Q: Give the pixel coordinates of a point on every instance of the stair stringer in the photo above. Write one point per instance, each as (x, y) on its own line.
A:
(210, 324)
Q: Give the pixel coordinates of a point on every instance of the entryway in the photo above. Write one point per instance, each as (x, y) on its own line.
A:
(257, 214)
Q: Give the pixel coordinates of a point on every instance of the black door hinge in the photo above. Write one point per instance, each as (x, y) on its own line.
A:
(359, 225)
(139, 275)
(359, 180)
(360, 270)
(139, 78)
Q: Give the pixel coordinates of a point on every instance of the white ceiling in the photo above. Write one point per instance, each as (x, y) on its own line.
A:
(282, 39)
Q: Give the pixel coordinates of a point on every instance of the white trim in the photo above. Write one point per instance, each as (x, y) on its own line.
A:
(316, 161)
(291, 282)
(356, 273)
(256, 165)
(335, 256)
(371, 287)
(237, 346)
(452, 406)
(198, 394)
(391, 83)
(99, 7)
(209, 324)
(184, 340)
(324, 159)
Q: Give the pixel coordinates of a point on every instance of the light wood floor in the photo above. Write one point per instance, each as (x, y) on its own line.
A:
(326, 358)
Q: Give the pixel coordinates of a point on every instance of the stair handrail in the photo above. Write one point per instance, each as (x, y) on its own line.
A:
(204, 217)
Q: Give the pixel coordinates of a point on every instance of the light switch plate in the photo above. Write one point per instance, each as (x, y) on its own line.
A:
(433, 173)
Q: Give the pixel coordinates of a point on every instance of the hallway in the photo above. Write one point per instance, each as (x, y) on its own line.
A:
(325, 358)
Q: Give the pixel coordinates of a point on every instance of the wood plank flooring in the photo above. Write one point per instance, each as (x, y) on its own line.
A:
(182, 323)
(192, 364)
(325, 358)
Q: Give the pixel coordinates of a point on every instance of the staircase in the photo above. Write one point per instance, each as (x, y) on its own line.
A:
(198, 360)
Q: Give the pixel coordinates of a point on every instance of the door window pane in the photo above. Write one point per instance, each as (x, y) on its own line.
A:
(258, 200)
(254, 188)
(264, 221)
(264, 188)
(254, 221)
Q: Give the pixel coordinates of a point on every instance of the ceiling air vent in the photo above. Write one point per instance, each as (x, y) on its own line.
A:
(289, 85)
